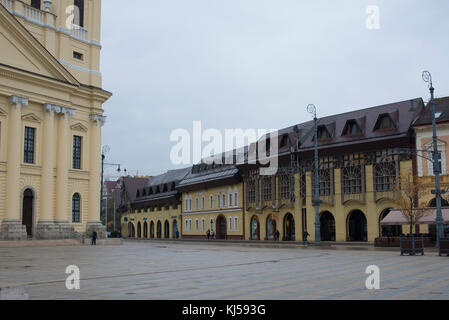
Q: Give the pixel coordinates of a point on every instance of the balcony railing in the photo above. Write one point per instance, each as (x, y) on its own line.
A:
(7, 4)
(79, 32)
(33, 14)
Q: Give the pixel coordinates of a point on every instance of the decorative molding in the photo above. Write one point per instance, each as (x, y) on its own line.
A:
(79, 127)
(31, 117)
(59, 109)
(79, 67)
(16, 100)
(98, 118)
(2, 112)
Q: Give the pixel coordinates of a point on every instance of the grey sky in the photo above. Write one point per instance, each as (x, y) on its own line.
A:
(257, 64)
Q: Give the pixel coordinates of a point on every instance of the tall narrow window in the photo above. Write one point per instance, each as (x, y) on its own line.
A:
(28, 154)
(77, 144)
(36, 4)
(236, 224)
(79, 13)
(224, 200)
(218, 201)
(230, 224)
(76, 208)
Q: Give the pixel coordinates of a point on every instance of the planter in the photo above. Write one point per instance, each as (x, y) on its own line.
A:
(444, 246)
(387, 242)
(412, 245)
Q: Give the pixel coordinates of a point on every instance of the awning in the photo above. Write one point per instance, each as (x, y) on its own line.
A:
(395, 218)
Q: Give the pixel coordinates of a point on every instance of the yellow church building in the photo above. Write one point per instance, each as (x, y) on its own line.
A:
(51, 117)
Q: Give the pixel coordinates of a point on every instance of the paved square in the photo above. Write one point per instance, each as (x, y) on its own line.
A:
(168, 270)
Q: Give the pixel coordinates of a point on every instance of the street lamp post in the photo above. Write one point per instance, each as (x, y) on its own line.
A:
(427, 77)
(105, 150)
(312, 110)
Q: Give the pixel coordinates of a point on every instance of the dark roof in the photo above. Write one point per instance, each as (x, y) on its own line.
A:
(132, 184)
(169, 177)
(441, 105)
(208, 174)
(162, 186)
(402, 115)
(110, 186)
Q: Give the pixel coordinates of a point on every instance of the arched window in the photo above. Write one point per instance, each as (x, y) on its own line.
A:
(211, 202)
(76, 208)
(236, 198)
(230, 224)
(203, 225)
(197, 227)
(218, 201)
(224, 201)
(230, 199)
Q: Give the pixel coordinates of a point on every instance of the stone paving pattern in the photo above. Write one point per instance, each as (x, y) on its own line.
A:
(186, 271)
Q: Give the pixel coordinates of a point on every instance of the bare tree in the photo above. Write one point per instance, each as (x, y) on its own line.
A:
(408, 190)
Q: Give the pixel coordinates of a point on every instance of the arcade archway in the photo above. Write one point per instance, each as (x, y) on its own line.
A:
(357, 226)
(327, 226)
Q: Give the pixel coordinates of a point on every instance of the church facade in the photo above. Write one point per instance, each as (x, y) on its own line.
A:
(51, 118)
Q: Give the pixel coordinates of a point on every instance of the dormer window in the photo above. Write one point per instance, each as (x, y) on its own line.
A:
(158, 190)
(284, 140)
(173, 186)
(150, 191)
(165, 188)
(323, 133)
(144, 192)
(384, 123)
(351, 128)
(138, 194)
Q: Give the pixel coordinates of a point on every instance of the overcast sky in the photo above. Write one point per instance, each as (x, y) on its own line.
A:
(257, 64)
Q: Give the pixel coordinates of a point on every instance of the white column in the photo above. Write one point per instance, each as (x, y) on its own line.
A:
(12, 228)
(95, 177)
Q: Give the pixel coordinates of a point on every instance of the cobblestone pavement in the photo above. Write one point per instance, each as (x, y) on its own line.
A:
(186, 271)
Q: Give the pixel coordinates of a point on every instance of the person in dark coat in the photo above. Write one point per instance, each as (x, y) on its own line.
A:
(94, 238)
(306, 235)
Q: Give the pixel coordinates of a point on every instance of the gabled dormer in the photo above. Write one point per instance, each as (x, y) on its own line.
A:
(326, 132)
(385, 122)
(352, 129)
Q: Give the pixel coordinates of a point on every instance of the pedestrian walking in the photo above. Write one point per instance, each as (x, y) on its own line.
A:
(177, 234)
(277, 235)
(208, 234)
(305, 236)
(213, 235)
(94, 238)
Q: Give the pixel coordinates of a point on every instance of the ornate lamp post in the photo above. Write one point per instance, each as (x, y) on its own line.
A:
(312, 110)
(105, 150)
(436, 156)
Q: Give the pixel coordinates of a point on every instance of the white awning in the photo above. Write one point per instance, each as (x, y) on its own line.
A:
(395, 218)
